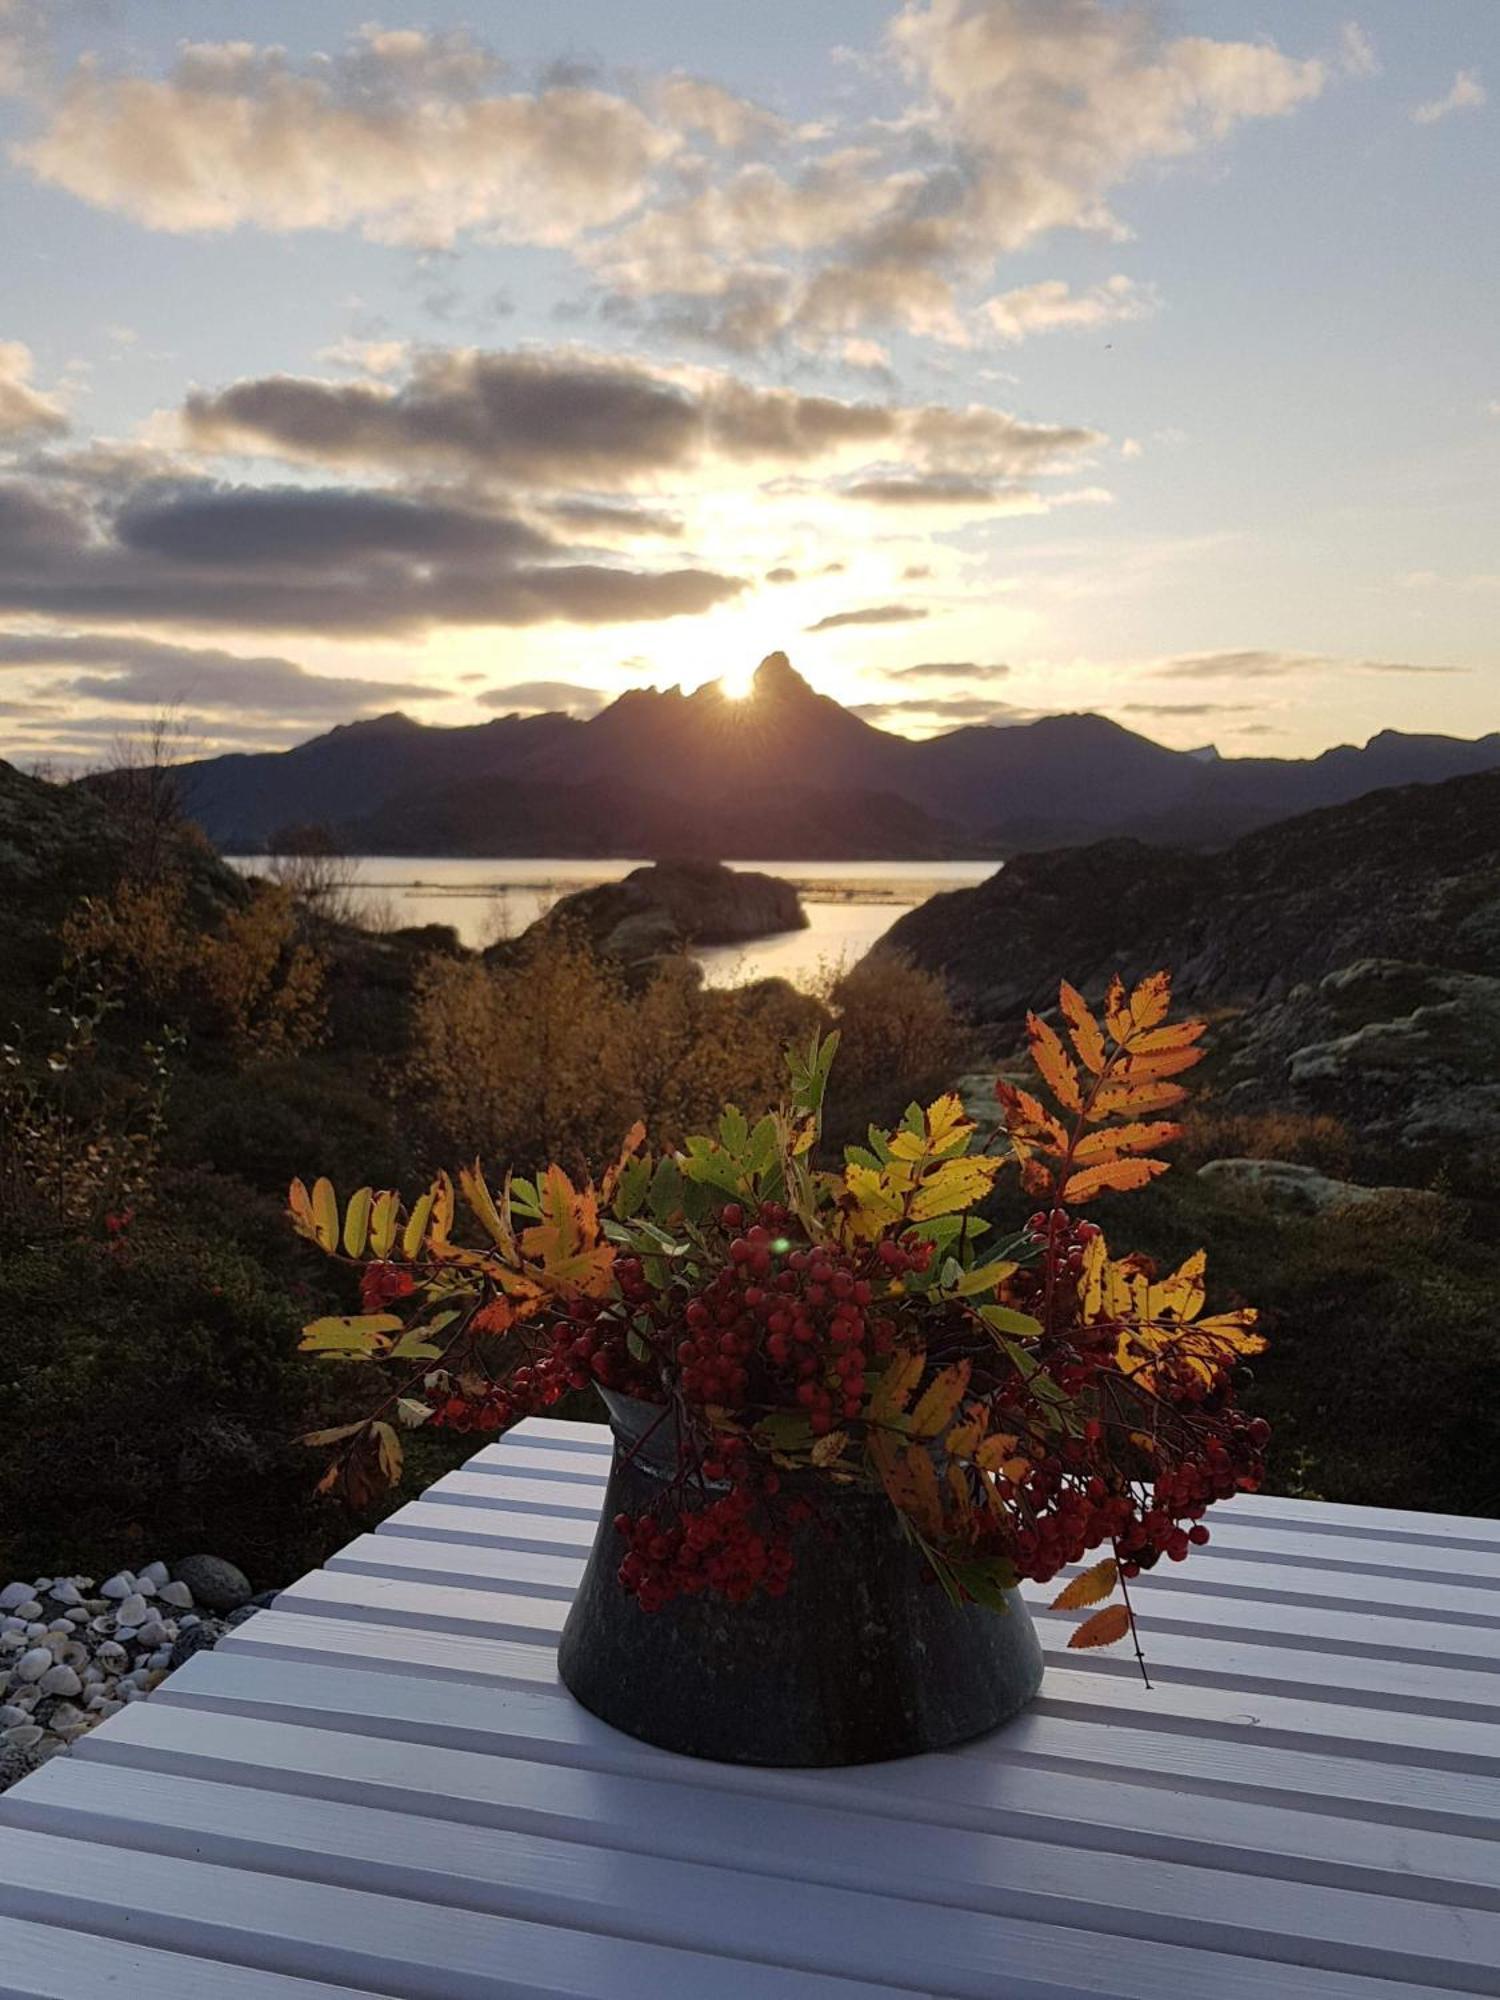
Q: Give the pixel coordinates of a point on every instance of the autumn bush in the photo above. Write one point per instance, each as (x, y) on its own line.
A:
(899, 1039)
(1311, 1139)
(547, 1053)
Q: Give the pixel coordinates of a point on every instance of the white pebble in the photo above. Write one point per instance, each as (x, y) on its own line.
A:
(145, 1587)
(24, 1736)
(132, 1610)
(79, 1615)
(65, 1592)
(151, 1634)
(161, 1658)
(122, 1584)
(68, 1722)
(112, 1656)
(60, 1680)
(13, 1642)
(31, 1609)
(154, 1573)
(187, 1624)
(176, 1593)
(41, 1584)
(48, 1748)
(10, 1715)
(36, 1629)
(31, 1666)
(14, 1594)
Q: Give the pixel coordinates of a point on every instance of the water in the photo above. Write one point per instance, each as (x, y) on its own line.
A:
(849, 904)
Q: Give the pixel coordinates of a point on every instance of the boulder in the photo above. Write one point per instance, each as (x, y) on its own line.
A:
(216, 1584)
(1285, 1184)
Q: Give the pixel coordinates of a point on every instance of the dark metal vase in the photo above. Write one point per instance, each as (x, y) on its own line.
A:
(864, 1658)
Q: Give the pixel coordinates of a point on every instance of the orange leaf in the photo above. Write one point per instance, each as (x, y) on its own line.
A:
(1103, 1629)
(1123, 1139)
(1088, 1036)
(1160, 1062)
(1119, 1095)
(1117, 1014)
(493, 1318)
(1117, 1174)
(1054, 1062)
(1150, 1000)
(1092, 1587)
(939, 1401)
(1175, 1037)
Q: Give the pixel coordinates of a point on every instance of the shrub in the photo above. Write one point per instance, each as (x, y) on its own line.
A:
(149, 1401)
(899, 1039)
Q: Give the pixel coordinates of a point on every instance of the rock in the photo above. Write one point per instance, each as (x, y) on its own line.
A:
(246, 1611)
(119, 1586)
(31, 1666)
(132, 1610)
(175, 1593)
(672, 904)
(197, 1639)
(10, 1715)
(60, 1679)
(151, 1634)
(14, 1595)
(1285, 1184)
(65, 1594)
(145, 1587)
(30, 1610)
(216, 1584)
(68, 1722)
(155, 1573)
(23, 1736)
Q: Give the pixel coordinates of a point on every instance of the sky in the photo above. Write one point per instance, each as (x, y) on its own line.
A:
(992, 358)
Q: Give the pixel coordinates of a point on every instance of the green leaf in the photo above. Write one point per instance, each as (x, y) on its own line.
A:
(357, 1221)
(631, 1187)
(986, 1581)
(859, 1156)
(786, 1431)
(412, 1347)
(665, 1197)
(984, 1278)
(734, 1128)
(1004, 1319)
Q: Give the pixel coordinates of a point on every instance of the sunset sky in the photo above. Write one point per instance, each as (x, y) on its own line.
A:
(990, 357)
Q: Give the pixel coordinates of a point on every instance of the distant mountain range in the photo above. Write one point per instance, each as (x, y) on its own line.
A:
(785, 773)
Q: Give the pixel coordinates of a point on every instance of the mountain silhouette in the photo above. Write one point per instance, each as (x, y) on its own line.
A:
(780, 773)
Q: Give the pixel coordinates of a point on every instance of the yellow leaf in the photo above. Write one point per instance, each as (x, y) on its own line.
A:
(1103, 1629)
(1092, 1587)
(384, 1217)
(828, 1447)
(1087, 1035)
(1091, 1277)
(924, 1501)
(477, 1194)
(354, 1333)
(982, 1278)
(1117, 1174)
(1160, 1062)
(871, 1202)
(963, 1440)
(1182, 1294)
(299, 1207)
(325, 1215)
(1119, 1094)
(1179, 1036)
(1150, 1000)
(1056, 1066)
(388, 1453)
(953, 1187)
(992, 1454)
(1015, 1469)
(441, 1227)
(893, 1391)
(416, 1226)
(357, 1221)
(940, 1399)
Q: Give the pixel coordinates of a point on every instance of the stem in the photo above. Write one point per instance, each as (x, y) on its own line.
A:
(1135, 1637)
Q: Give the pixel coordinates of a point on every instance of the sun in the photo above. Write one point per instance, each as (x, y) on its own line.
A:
(738, 685)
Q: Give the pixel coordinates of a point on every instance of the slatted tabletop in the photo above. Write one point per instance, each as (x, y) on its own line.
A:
(380, 1787)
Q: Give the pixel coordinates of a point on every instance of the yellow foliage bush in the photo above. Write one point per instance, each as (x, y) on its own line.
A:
(548, 1054)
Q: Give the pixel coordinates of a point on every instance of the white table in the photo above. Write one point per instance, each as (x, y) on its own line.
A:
(379, 1787)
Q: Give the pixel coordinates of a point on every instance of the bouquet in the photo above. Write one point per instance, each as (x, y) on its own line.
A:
(1023, 1398)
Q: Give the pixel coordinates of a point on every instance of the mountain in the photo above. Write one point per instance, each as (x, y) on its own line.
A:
(1410, 875)
(785, 772)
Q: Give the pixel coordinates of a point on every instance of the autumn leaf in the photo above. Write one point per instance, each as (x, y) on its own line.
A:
(356, 1334)
(953, 1187)
(384, 1216)
(325, 1215)
(1113, 1174)
(1086, 1034)
(1119, 1094)
(828, 1447)
(893, 1391)
(1055, 1064)
(1117, 1015)
(1092, 1587)
(939, 1401)
(1150, 1001)
(357, 1221)
(1105, 1628)
(1095, 1146)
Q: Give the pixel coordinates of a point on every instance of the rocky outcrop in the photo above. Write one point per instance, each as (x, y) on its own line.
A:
(670, 905)
(1410, 875)
(1286, 1184)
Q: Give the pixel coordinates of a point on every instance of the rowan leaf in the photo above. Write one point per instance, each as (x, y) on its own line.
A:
(1055, 1064)
(416, 1225)
(981, 1278)
(1150, 1000)
(1118, 1094)
(477, 1194)
(1160, 1062)
(954, 1186)
(893, 1391)
(1105, 1628)
(1178, 1036)
(325, 1216)
(1086, 1034)
(1117, 1015)
(389, 1454)
(335, 1436)
(828, 1447)
(939, 1401)
(1096, 1146)
(1113, 1174)
(357, 1221)
(924, 1500)
(384, 1216)
(1092, 1587)
(350, 1333)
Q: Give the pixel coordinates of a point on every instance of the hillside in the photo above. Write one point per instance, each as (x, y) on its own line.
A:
(786, 772)
(1410, 874)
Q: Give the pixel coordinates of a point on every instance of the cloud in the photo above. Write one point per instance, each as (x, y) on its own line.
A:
(544, 697)
(708, 111)
(334, 560)
(1465, 93)
(612, 522)
(955, 708)
(948, 670)
(406, 136)
(24, 411)
(1025, 117)
(1052, 304)
(1357, 55)
(875, 614)
(1255, 664)
(1186, 707)
(781, 574)
(529, 416)
(152, 674)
